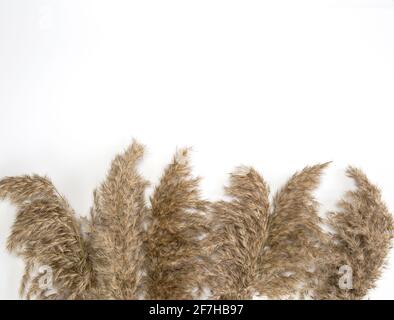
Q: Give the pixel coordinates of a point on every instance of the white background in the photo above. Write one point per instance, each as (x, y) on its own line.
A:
(275, 84)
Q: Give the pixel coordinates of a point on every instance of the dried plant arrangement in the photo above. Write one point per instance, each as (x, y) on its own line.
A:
(178, 245)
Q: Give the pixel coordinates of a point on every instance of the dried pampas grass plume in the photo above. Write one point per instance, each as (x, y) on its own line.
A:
(116, 240)
(173, 246)
(177, 245)
(363, 232)
(258, 251)
(294, 236)
(239, 230)
(47, 234)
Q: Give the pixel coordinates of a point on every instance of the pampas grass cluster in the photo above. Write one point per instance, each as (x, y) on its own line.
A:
(180, 246)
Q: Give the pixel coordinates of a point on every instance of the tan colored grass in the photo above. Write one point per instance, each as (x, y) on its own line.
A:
(116, 240)
(363, 232)
(47, 233)
(173, 248)
(178, 244)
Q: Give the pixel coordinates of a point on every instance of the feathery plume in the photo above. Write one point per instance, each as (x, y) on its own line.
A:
(363, 231)
(26, 188)
(182, 243)
(116, 235)
(291, 250)
(237, 235)
(173, 237)
(47, 233)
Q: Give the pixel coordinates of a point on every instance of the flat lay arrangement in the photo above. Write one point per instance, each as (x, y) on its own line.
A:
(178, 245)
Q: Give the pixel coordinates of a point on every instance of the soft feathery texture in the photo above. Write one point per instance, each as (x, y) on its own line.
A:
(363, 232)
(173, 247)
(292, 247)
(47, 234)
(178, 245)
(238, 232)
(116, 232)
(258, 251)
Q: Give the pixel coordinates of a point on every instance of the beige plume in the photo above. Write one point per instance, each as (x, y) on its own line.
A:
(47, 233)
(179, 245)
(117, 229)
(292, 248)
(173, 238)
(238, 231)
(363, 232)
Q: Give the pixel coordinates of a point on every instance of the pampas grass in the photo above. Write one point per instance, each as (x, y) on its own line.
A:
(292, 247)
(178, 245)
(238, 232)
(47, 233)
(363, 232)
(116, 231)
(172, 240)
